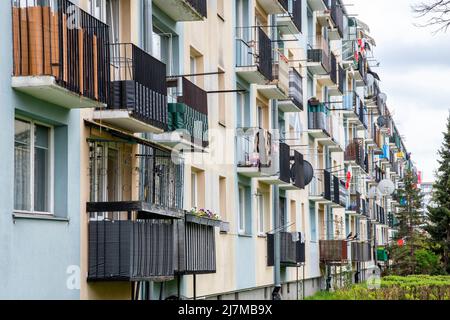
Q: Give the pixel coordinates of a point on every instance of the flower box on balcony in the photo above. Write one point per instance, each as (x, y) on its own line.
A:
(202, 220)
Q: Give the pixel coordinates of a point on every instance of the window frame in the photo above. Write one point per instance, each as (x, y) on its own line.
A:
(261, 214)
(51, 167)
(241, 211)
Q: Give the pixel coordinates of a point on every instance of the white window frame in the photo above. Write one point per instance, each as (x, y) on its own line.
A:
(194, 190)
(241, 211)
(51, 165)
(261, 214)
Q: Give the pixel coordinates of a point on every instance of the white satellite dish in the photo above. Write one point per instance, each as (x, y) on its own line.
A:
(386, 187)
(370, 80)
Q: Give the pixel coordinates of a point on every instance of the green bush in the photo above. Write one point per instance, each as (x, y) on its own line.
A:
(417, 287)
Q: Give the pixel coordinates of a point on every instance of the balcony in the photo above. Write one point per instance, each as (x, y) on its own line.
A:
(196, 245)
(333, 19)
(255, 152)
(291, 23)
(360, 75)
(330, 79)
(318, 5)
(354, 207)
(318, 120)
(339, 193)
(274, 6)
(338, 88)
(290, 170)
(319, 62)
(56, 63)
(278, 88)
(320, 187)
(292, 250)
(361, 251)
(333, 251)
(184, 10)
(126, 250)
(138, 100)
(355, 111)
(187, 118)
(254, 61)
(355, 154)
(295, 101)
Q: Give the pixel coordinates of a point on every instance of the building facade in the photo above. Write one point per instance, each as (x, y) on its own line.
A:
(194, 149)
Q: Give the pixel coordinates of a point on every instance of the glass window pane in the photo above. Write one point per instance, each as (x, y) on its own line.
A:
(22, 166)
(41, 169)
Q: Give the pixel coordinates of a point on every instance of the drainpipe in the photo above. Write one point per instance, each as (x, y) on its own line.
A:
(276, 198)
(329, 221)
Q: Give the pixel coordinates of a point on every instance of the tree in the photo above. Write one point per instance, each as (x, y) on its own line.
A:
(436, 12)
(438, 219)
(410, 220)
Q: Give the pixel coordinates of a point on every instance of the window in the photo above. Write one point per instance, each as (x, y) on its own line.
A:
(241, 210)
(32, 167)
(96, 8)
(194, 190)
(223, 197)
(112, 19)
(261, 213)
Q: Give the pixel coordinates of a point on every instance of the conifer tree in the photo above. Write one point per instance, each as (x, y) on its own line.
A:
(438, 219)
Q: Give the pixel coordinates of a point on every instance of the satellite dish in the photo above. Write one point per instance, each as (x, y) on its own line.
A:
(382, 97)
(382, 121)
(386, 187)
(373, 193)
(308, 171)
(370, 80)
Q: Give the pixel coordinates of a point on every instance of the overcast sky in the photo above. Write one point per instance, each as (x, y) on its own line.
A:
(414, 72)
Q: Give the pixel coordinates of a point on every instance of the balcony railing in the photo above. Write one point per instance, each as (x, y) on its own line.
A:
(355, 152)
(342, 75)
(190, 113)
(337, 14)
(333, 251)
(361, 251)
(320, 186)
(339, 193)
(334, 69)
(138, 84)
(296, 88)
(355, 203)
(126, 250)
(59, 40)
(254, 49)
(196, 245)
(319, 52)
(292, 249)
(254, 148)
(297, 12)
(201, 6)
(318, 117)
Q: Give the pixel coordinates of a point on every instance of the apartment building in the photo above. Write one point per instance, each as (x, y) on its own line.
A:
(195, 149)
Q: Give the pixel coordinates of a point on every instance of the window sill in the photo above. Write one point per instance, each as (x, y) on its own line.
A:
(262, 236)
(31, 216)
(244, 235)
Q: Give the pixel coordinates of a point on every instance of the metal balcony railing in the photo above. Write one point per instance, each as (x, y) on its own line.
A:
(253, 148)
(355, 203)
(138, 83)
(319, 51)
(355, 152)
(320, 185)
(297, 12)
(57, 38)
(337, 14)
(296, 88)
(318, 117)
(254, 48)
(333, 250)
(292, 249)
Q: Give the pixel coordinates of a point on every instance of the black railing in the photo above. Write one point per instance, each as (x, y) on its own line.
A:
(297, 171)
(337, 14)
(333, 67)
(361, 251)
(56, 38)
(292, 251)
(355, 203)
(265, 59)
(138, 84)
(196, 245)
(296, 88)
(285, 163)
(342, 79)
(321, 56)
(201, 6)
(297, 14)
(126, 250)
(355, 152)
